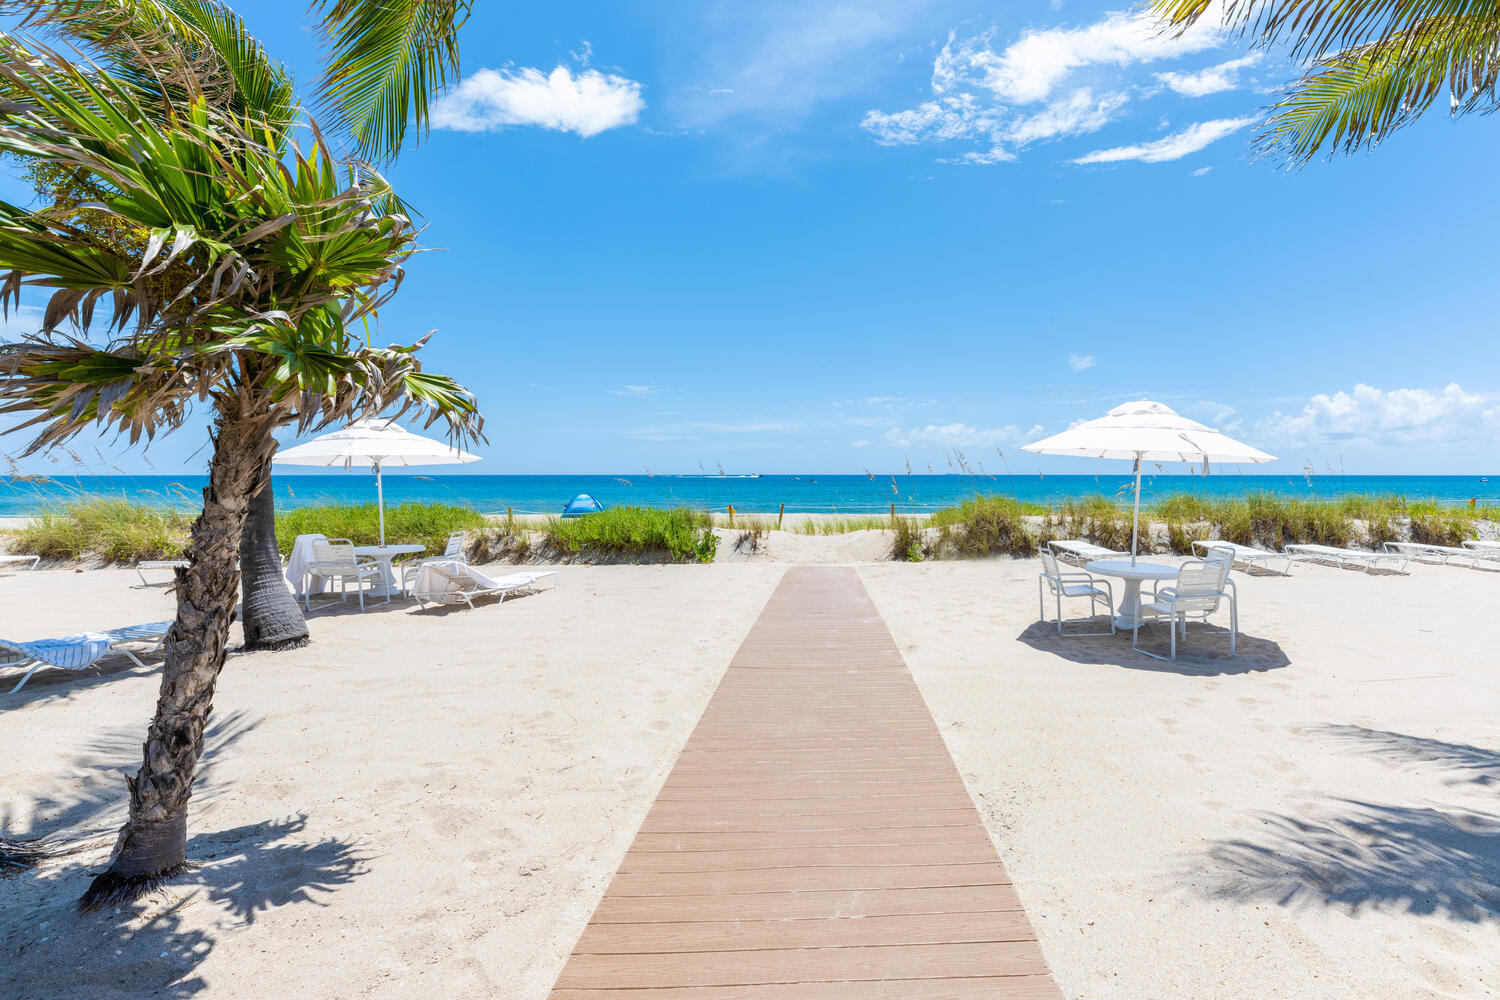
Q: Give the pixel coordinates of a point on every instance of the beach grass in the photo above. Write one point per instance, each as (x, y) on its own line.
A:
(675, 534)
(983, 525)
(425, 524)
(109, 529)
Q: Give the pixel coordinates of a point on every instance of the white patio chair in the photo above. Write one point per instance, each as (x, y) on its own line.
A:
(335, 559)
(1061, 585)
(1201, 586)
(458, 541)
(1338, 556)
(1422, 551)
(1247, 554)
(450, 582)
(1485, 547)
(79, 652)
(17, 560)
(172, 564)
(1081, 551)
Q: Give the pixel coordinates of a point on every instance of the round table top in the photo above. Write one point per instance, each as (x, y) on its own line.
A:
(1125, 571)
(394, 550)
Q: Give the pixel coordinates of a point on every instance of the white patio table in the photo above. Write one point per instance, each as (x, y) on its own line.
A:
(383, 554)
(1128, 614)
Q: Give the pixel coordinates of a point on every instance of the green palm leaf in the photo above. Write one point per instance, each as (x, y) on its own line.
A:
(389, 57)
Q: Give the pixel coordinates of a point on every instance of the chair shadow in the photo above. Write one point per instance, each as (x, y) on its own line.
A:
(1422, 861)
(1473, 765)
(248, 870)
(1205, 653)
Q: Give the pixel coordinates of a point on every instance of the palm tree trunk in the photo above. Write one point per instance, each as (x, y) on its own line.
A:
(153, 844)
(269, 613)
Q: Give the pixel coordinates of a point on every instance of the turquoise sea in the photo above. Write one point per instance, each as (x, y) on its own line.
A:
(806, 493)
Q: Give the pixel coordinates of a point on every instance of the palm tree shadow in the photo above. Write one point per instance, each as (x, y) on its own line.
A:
(1205, 653)
(249, 871)
(1415, 860)
(97, 798)
(151, 947)
(1471, 764)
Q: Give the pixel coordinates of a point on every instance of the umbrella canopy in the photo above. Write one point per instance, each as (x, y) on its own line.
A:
(373, 443)
(1147, 431)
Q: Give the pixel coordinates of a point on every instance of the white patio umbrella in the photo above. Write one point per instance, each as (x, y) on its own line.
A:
(1147, 431)
(374, 443)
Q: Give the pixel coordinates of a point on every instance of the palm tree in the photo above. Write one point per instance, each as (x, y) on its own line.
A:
(251, 266)
(387, 60)
(1373, 66)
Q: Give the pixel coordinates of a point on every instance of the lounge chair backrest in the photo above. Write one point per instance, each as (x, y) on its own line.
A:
(456, 543)
(333, 552)
(1049, 566)
(1200, 585)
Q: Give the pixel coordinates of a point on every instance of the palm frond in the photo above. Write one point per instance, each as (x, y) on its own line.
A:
(1314, 28)
(387, 61)
(1358, 97)
(167, 50)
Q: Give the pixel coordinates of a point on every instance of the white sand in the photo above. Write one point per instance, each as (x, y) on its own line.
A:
(1314, 818)
(431, 803)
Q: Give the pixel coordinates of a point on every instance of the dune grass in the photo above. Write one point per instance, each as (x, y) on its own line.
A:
(425, 524)
(982, 526)
(114, 530)
(676, 534)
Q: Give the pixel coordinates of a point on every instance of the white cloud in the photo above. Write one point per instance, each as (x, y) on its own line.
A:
(587, 103)
(1080, 362)
(1172, 147)
(1055, 83)
(1199, 172)
(1029, 69)
(1367, 416)
(957, 434)
(25, 321)
(1213, 80)
(637, 391)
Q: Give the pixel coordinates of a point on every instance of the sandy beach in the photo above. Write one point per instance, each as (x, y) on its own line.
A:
(432, 802)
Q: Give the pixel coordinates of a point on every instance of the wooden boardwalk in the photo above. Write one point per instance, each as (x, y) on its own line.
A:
(814, 839)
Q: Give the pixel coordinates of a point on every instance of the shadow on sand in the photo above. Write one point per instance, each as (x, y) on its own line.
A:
(151, 949)
(1205, 653)
(1443, 862)
(1468, 764)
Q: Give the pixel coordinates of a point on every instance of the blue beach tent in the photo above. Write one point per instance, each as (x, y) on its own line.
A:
(582, 504)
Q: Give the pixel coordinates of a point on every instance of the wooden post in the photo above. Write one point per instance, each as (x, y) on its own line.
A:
(780, 516)
(893, 512)
(731, 515)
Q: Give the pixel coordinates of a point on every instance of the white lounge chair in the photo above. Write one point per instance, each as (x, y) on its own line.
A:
(1247, 554)
(1359, 557)
(1485, 547)
(1080, 584)
(1202, 585)
(1081, 551)
(1422, 551)
(458, 541)
(172, 564)
(459, 583)
(79, 652)
(17, 560)
(335, 559)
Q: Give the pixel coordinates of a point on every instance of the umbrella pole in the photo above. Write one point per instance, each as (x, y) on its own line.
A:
(1135, 524)
(380, 501)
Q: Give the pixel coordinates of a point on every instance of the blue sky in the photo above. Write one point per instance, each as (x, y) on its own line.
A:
(837, 236)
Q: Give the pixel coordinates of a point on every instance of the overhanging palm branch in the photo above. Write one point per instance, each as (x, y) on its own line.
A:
(1375, 65)
(388, 58)
(257, 274)
(174, 47)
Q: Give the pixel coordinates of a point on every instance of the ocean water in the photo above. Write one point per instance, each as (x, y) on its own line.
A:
(750, 494)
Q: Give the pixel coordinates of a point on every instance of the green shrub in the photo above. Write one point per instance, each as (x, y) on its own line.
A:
(425, 524)
(982, 526)
(1180, 537)
(1099, 520)
(908, 540)
(114, 530)
(678, 534)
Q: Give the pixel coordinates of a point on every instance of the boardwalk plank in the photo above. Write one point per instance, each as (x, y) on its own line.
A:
(814, 841)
